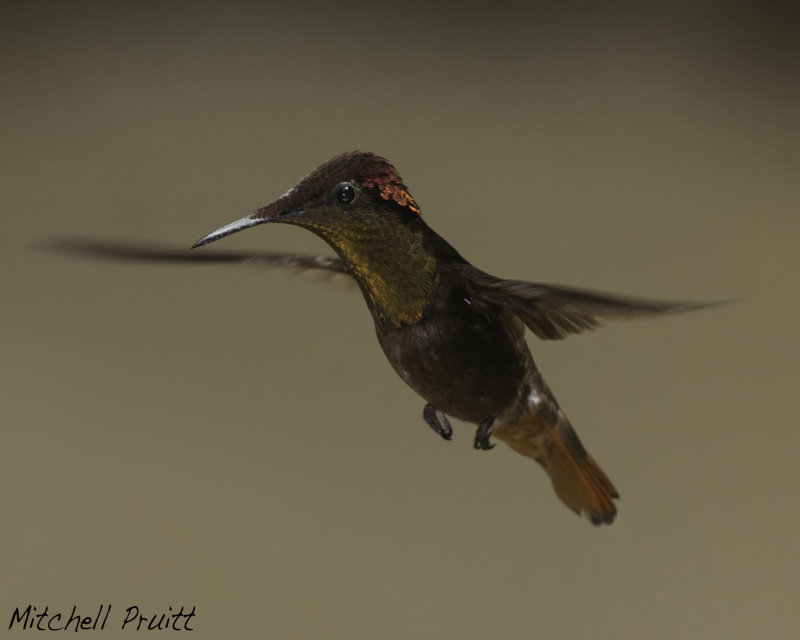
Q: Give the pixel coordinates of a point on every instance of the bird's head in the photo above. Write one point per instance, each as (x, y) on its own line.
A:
(354, 190)
(358, 204)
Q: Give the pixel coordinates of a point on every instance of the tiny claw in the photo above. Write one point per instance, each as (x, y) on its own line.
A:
(482, 435)
(437, 421)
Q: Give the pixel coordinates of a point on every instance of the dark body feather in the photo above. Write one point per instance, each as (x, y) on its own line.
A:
(465, 357)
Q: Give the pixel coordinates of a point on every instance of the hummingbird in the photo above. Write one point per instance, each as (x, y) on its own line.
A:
(454, 333)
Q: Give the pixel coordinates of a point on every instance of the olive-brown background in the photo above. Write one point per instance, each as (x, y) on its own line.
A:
(233, 438)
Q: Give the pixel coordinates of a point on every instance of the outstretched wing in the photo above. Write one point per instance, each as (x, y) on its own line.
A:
(154, 253)
(553, 313)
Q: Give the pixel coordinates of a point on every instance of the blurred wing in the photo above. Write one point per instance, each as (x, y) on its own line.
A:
(152, 253)
(553, 313)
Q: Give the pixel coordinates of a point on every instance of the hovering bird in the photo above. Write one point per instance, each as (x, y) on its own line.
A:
(453, 333)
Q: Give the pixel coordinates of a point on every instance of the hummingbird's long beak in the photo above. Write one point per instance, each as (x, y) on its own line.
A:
(228, 229)
(272, 212)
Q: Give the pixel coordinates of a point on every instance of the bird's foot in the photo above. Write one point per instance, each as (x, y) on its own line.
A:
(483, 433)
(438, 421)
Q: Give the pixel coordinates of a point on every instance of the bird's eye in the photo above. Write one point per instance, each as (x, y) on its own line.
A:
(345, 193)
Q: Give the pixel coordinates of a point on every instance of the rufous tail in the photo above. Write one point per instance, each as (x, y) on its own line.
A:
(577, 479)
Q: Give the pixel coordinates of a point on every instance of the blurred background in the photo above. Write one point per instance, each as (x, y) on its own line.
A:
(233, 438)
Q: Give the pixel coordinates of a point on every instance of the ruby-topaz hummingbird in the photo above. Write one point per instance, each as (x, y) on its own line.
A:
(454, 333)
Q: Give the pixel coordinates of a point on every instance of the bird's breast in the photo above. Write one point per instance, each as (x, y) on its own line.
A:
(464, 359)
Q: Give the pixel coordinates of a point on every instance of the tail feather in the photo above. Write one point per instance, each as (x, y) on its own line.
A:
(577, 479)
